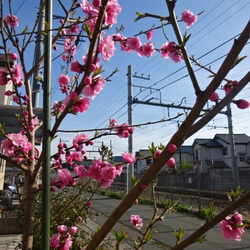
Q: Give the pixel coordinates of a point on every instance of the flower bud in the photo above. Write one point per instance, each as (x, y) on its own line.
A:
(172, 148)
(214, 97)
(171, 163)
(242, 104)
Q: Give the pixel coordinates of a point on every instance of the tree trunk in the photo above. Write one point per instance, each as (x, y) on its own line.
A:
(28, 218)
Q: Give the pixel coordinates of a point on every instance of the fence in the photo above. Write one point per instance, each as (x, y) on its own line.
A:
(215, 179)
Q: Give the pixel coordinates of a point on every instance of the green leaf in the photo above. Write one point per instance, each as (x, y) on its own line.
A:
(150, 236)
(184, 166)
(25, 29)
(97, 229)
(186, 38)
(209, 212)
(238, 60)
(121, 236)
(87, 29)
(161, 147)
(134, 180)
(179, 234)
(236, 195)
(201, 239)
(98, 71)
(152, 149)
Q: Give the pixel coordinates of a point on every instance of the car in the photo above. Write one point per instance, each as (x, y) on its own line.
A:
(11, 189)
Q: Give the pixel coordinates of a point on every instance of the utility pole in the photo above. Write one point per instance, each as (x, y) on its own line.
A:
(228, 113)
(45, 228)
(130, 168)
(38, 53)
(232, 148)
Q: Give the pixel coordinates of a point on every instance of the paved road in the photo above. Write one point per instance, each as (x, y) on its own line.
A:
(214, 238)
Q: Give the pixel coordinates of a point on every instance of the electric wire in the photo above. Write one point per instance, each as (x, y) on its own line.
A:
(20, 6)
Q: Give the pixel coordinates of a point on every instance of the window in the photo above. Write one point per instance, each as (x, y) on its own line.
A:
(242, 157)
(149, 161)
(224, 151)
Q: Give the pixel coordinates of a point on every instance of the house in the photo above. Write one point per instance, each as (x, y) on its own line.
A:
(183, 153)
(216, 153)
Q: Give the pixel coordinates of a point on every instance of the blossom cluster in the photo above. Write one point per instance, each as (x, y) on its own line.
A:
(124, 130)
(16, 145)
(63, 239)
(15, 76)
(93, 82)
(17, 142)
(101, 171)
(71, 156)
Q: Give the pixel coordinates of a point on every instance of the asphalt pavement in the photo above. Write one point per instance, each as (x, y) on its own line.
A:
(164, 232)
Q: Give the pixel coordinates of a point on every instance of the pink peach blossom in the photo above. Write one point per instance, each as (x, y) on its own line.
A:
(112, 10)
(136, 221)
(147, 49)
(107, 48)
(81, 171)
(63, 80)
(124, 130)
(188, 17)
(119, 170)
(95, 88)
(79, 139)
(17, 143)
(77, 67)
(12, 21)
(17, 74)
(67, 243)
(55, 241)
(134, 43)
(232, 227)
(112, 122)
(172, 50)
(64, 178)
(128, 157)
(81, 105)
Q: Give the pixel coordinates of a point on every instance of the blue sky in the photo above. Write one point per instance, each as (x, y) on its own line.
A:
(220, 22)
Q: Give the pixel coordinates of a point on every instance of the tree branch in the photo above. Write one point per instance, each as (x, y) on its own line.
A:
(184, 51)
(213, 222)
(227, 99)
(87, 64)
(177, 139)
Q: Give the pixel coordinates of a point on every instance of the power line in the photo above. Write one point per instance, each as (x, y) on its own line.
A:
(20, 6)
